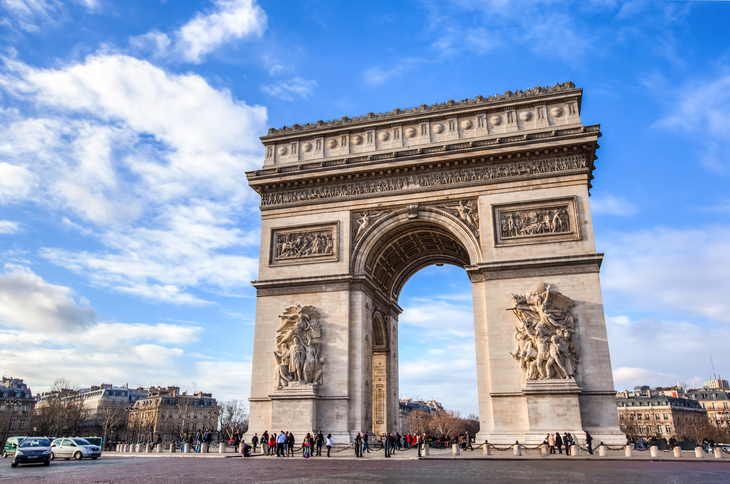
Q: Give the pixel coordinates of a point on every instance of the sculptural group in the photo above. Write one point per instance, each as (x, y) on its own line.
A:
(298, 352)
(545, 348)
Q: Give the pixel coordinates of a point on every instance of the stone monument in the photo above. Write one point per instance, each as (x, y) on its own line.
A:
(352, 208)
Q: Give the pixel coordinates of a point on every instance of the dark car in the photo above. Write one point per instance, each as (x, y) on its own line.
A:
(33, 450)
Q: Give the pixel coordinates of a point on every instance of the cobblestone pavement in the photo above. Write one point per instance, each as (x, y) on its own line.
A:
(113, 469)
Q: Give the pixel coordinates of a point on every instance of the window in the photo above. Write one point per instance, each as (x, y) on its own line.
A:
(659, 429)
(12, 424)
(666, 416)
(646, 416)
(25, 408)
(703, 405)
(621, 417)
(725, 405)
(195, 426)
(22, 424)
(2, 407)
(714, 405)
(657, 416)
(169, 414)
(195, 415)
(641, 429)
(638, 416)
(668, 428)
(631, 417)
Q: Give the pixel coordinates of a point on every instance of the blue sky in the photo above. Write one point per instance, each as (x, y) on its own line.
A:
(128, 235)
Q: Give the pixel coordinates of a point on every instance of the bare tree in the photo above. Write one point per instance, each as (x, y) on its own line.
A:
(110, 417)
(447, 424)
(184, 406)
(233, 417)
(419, 422)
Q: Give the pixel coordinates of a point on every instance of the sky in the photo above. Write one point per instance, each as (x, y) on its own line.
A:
(129, 236)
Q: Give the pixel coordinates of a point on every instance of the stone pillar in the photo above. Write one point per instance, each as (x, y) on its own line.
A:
(222, 448)
(425, 450)
(487, 449)
(455, 449)
(677, 451)
(654, 451)
(718, 453)
(517, 449)
(146, 448)
(172, 448)
(602, 450)
(699, 452)
(574, 450)
(159, 448)
(544, 450)
(629, 451)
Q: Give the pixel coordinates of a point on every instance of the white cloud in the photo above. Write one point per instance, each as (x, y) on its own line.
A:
(31, 15)
(612, 205)
(152, 164)
(286, 90)
(701, 109)
(229, 20)
(670, 272)
(680, 351)
(376, 76)
(27, 301)
(9, 227)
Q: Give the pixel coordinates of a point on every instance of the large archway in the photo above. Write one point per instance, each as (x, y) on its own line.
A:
(351, 209)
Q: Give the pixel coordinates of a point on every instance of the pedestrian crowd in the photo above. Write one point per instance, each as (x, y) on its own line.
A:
(556, 442)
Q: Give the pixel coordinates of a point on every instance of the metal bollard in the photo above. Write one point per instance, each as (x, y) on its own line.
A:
(544, 450)
(718, 453)
(487, 449)
(602, 450)
(456, 449)
(654, 451)
(517, 449)
(677, 451)
(699, 452)
(629, 451)
(222, 448)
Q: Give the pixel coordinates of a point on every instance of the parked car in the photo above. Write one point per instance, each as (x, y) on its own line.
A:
(10, 445)
(76, 448)
(33, 450)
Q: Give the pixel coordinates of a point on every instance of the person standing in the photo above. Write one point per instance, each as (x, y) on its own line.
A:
(418, 444)
(551, 443)
(358, 445)
(265, 442)
(329, 444)
(567, 441)
(198, 441)
(280, 441)
(365, 444)
(589, 443)
(254, 441)
(236, 440)
(559, 442)
(290, 444)
(208, 440)
(272, 443)
(319, 441)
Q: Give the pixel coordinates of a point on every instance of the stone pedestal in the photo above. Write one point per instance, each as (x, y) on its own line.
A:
(718, 453)
(699, 453)
(654, 451)
(486, 449)
(425, 449)
(629, 451)
(517, 449)
(221, 448)
(456, 449)
(173, 449)
(159, 448)
(677, 451)
(544, 450)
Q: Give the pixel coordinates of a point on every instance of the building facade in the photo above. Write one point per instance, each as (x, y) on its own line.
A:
(650, 414)
(16, 406)
(170, 415)
(714, 397)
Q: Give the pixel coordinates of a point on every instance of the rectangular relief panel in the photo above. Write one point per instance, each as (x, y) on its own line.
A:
(305, 244)
(537, 222)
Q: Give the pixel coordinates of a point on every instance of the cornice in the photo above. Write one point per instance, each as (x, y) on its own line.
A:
(398, 115)
(258, 177)
(548, 266)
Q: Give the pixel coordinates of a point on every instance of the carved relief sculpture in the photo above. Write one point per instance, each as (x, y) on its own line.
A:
(302, 244)
(545, 348)
(381, 187)
(298, 352)
(551, 220)
(364, 220)
(466, 211)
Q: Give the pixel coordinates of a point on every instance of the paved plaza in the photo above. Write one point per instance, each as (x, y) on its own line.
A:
(112, 468)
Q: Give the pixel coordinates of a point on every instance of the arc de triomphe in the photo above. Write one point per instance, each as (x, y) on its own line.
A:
(352, 208)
